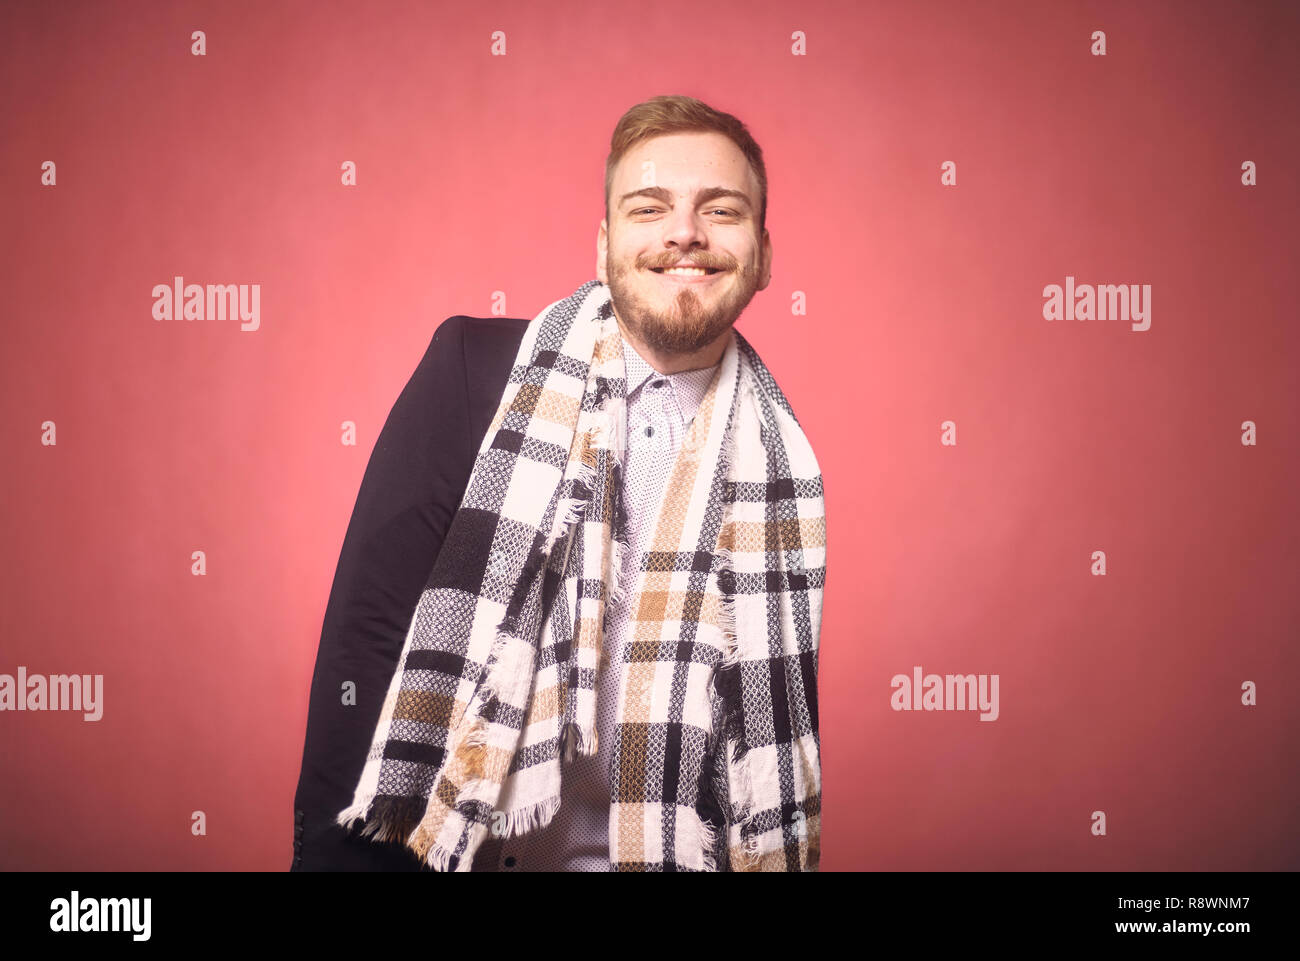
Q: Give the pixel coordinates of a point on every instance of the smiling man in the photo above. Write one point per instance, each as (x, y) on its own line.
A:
(684, 256)
(612, 663)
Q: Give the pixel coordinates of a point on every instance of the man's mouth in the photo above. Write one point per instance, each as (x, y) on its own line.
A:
(686, 271)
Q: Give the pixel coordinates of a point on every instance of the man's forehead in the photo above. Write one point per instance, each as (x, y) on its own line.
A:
(688, 160)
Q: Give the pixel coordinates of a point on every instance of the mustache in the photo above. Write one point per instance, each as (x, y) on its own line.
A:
(695, 260)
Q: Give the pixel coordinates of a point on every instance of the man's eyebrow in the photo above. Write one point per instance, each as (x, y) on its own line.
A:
(702, 196)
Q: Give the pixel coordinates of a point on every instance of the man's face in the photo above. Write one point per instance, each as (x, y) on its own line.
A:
(687, 198)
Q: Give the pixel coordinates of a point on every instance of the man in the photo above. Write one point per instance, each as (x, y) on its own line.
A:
(612, 664)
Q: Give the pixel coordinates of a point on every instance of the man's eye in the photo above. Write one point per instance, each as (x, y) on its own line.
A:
(714, 210)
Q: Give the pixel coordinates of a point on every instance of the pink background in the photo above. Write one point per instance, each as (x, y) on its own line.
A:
(479, 174)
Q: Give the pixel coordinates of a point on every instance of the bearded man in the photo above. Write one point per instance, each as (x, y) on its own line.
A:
(580, 596)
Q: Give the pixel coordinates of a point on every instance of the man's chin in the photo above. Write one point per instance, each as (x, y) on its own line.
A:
(671, 336)
(655, 316)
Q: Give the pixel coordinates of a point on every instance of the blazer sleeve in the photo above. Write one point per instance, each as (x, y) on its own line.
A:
(413, 484)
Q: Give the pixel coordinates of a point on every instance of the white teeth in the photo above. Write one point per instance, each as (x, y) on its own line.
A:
(687, 271)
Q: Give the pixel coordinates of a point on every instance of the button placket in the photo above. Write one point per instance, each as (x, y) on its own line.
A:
(659, 412)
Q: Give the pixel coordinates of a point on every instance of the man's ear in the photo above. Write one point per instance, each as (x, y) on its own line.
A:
(766, 276)
(602, 247)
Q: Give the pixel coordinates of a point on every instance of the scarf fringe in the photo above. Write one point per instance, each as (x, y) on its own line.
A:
(531, 818)
(489, 690)
(728, 684)
(577, 740)
(618, 592)
(709, 839)
(571, 509)
(727, 599)
(391, 819)
(567, 513)
(615, 425)
(439, 858)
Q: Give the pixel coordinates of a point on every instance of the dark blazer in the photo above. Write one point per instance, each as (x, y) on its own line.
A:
(414, 483)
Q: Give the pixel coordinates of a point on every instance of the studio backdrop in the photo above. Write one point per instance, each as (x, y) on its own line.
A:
(1032, 300)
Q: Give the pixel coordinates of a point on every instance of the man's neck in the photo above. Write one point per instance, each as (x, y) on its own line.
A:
(706, 356)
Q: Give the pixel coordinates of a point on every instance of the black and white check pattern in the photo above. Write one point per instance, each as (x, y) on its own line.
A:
(717, 752)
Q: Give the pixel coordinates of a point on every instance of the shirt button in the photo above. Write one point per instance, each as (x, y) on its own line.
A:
(649, 431)
(657, 383)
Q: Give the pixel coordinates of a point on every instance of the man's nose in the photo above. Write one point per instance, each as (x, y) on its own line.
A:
(685, 229)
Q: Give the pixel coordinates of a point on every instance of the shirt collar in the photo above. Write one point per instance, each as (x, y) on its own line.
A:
(688, 387)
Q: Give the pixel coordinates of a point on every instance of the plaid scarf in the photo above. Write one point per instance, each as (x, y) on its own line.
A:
(717, 755)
